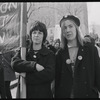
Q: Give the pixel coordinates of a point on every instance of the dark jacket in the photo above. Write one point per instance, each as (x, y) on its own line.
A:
(38, 84)
(52, 48)
(86, 81)
(5, 61)
(2, 83)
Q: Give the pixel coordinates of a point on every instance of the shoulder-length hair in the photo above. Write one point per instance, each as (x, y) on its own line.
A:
(78, 37)
(37, 25)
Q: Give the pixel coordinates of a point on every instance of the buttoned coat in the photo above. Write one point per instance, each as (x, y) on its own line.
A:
(86, 80)
(5, 62)
(38, 84)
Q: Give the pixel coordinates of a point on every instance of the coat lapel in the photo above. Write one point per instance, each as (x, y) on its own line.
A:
(66, 57)
(78, 59)
(79, 56)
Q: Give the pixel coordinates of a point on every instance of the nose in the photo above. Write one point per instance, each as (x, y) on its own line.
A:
(68, 29)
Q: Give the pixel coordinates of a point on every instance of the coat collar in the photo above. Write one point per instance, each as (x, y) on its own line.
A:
(65, 55)
(43, 50)
(78, 58)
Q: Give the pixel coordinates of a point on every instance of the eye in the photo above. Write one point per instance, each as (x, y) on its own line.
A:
(70, 26)
(65, 27)
(40, 33)
(34, 32)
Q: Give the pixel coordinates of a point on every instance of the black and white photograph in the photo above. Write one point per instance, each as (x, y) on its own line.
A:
(49, 50)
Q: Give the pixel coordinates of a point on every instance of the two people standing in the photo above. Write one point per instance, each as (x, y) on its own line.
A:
(76, 67)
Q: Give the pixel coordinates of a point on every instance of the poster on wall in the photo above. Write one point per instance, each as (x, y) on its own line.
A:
(9, 26)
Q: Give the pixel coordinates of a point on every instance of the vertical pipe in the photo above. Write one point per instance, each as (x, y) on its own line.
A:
(23, 30)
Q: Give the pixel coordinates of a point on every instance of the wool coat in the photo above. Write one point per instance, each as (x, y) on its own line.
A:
(86, 80)
(38, 84)
(5, 62)
(2, 83)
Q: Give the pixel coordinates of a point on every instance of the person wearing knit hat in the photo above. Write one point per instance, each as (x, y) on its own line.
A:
(77, 71)
(39, 64)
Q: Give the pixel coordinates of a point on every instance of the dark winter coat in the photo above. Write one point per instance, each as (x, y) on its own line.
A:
(52, 48)
(5, 61)
(38, 84)
(86, 81)
(2, 83)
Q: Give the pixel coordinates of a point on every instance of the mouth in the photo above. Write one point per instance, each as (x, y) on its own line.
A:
(36, 39)
(68, 35)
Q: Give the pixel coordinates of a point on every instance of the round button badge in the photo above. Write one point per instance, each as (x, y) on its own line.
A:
(80, 57)
(68, 61)
(34, 56)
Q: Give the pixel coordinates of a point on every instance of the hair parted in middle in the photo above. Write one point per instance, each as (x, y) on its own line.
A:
(76, 22)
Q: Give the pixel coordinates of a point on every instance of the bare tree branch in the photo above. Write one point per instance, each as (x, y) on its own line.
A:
(29, 8)
(43, 7)
(78, 10)
(49, 21)
(68, 9)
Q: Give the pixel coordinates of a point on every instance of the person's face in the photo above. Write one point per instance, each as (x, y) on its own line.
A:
(56, 45)
(37, 37)
(69, 30)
